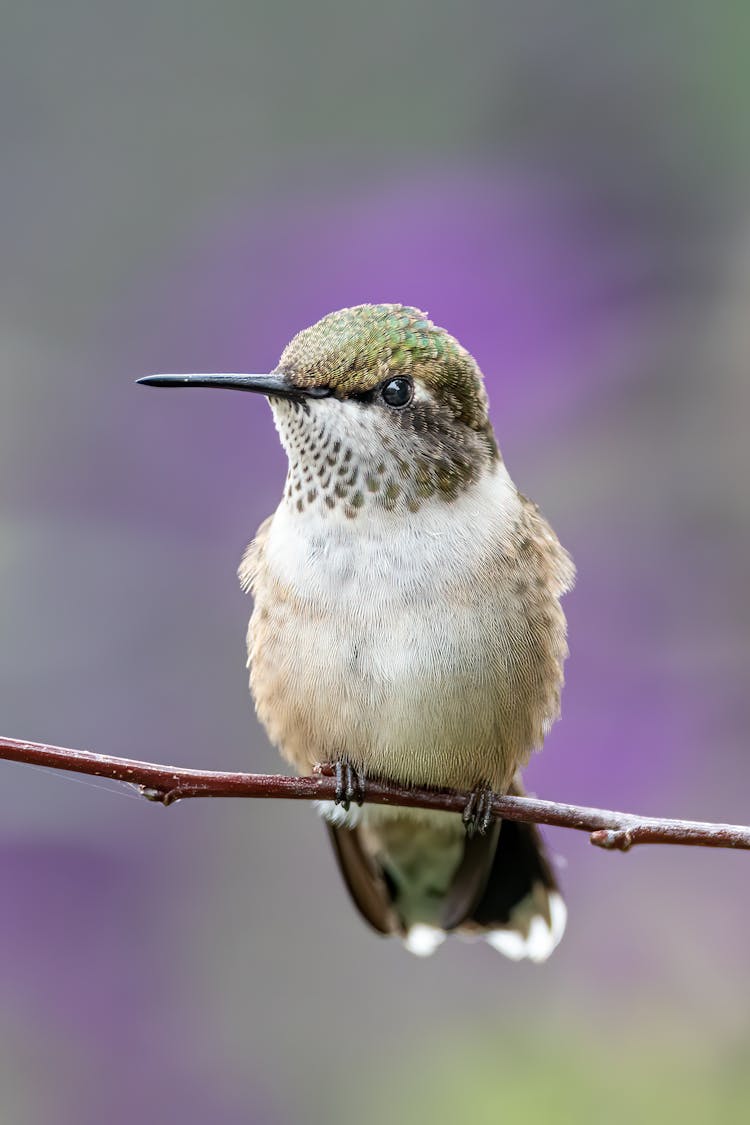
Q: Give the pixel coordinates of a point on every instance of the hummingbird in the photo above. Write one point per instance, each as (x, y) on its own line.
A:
(407, 624)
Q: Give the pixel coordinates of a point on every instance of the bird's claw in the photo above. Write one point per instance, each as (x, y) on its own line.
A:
(477, 814)
(350, 785)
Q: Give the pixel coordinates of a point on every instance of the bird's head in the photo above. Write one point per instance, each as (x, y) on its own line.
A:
(375, 406)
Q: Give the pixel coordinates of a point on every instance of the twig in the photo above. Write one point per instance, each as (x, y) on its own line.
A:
(615, 831)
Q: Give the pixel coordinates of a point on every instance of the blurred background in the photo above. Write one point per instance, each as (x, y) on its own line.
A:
(183, 187)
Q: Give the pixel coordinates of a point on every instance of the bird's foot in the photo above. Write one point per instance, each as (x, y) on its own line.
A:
(350, 785)
(477, 815)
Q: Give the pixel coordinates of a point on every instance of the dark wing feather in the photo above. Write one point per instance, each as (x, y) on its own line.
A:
(365, 880)
(470, 879)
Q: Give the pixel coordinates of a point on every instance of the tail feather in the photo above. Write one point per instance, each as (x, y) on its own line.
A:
(519, 867)
(521, 912)
(423, 883)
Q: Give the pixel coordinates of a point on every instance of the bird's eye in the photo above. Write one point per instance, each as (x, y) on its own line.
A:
(398, 391)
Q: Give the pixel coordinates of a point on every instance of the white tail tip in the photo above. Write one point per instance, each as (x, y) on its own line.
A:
(541, 938)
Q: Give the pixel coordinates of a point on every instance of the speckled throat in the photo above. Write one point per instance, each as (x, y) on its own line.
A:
(346, 457)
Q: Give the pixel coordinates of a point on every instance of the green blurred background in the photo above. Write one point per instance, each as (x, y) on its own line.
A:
(182, 187)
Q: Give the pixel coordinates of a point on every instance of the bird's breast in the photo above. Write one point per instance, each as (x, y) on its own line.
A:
(396, 643)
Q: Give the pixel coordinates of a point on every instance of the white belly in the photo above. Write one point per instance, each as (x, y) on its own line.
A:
(401, 644)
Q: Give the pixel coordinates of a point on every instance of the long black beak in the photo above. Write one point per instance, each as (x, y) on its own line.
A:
(274, 385)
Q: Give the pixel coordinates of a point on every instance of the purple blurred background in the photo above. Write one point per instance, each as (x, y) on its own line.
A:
(183, 188)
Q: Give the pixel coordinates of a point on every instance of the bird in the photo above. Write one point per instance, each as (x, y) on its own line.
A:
(407, 624)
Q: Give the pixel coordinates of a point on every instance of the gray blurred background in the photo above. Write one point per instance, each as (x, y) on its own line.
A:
(184, 186)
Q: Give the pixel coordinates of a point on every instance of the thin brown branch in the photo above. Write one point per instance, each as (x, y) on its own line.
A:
(166, 784)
